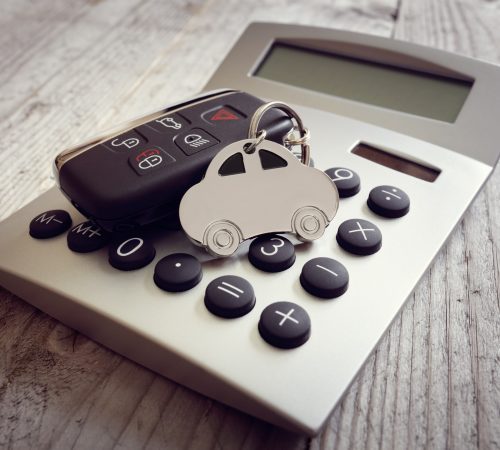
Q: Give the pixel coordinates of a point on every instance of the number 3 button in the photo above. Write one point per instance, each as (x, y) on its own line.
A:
(271, 253)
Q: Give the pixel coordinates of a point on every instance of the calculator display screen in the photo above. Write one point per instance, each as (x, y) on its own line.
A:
(414, 92)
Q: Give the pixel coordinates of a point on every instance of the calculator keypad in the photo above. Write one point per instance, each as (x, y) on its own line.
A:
(177, 272)
(87, 237)
(389, 201)
(229, 296)
(271, 253)
(360, 237)
(324, 277)
(347, 181)
(131, 253)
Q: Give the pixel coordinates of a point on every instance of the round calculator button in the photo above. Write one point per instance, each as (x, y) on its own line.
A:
(177, 272)
(388, 201)
(271, 253)
(131, 253)
(285, 325)
(324, 277)
(359, 236)
(87, 237)
(346, 180)
(49, 224)
(229, 296)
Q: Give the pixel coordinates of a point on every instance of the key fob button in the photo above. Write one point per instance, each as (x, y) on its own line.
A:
(170, 124)
(222, 115)
(131, 253)
(195, 140)
(87, 237)
(50, 224)
(285, 325)
(149, 160)
(125, 142)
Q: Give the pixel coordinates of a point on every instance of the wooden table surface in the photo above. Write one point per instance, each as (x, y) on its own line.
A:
(71, 68)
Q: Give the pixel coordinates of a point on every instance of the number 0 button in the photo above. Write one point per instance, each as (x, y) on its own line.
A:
(132, 253)
(272, 253)
(285, 325)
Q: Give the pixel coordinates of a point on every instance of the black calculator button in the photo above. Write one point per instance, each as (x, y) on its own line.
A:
(271, 253)
(87, 237)
(346, 180)
(285, 325)
(126, 142)
(359, 236)
(229, 296)
(49, 224)
(131, 253)
(177, 272)
(324, 277)
(221, 115)
(389, 201)
(170, 124)
(195, 140)
(149, 160)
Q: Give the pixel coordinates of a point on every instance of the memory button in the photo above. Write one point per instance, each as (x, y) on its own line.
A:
(49, 224)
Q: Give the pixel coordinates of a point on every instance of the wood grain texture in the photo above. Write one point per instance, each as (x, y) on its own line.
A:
(69, 69)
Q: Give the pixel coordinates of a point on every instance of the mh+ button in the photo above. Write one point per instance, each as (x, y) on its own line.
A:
(195, 140)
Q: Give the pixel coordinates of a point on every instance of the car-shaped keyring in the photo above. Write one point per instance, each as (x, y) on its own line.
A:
(244, 195)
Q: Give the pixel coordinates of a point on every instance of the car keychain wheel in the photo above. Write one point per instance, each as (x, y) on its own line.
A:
(309, 223)
(222, 238)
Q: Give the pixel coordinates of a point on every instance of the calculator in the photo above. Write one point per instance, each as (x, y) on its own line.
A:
(280, 329)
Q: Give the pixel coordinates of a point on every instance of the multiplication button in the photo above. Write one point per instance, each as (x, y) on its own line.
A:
(285, 325)
(229, 296)
(359, 236)
(271, 253)
(388, 201)
(324, 277)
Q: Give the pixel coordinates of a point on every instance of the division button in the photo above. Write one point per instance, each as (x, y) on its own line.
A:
(87, 237)
(130, 253)
(49, 224)
(359, 236)
(229, 296)
(346, 180)
(271, 253)
(388, 201)
(324, 277)
(285, 325)
(177, 272)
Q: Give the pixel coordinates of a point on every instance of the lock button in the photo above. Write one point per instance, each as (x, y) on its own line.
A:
(195, 140)
(126, 142)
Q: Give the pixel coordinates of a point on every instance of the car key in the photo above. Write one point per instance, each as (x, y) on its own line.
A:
(137, 174)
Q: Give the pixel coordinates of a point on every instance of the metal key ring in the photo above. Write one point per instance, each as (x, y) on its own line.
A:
(304, 132)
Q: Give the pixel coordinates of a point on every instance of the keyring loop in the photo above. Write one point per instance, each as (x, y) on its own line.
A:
(250, 147)
(302, 141)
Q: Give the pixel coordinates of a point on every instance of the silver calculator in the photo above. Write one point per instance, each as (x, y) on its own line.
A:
(408, 134)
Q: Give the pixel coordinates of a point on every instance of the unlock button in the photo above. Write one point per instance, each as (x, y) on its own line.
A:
(195, 140)
(149, 160)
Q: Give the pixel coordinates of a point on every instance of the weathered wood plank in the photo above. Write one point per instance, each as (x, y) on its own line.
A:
(433, 380)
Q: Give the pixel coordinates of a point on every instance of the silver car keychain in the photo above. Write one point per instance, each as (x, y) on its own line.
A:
(255, 186)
